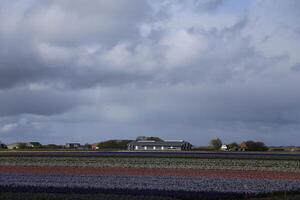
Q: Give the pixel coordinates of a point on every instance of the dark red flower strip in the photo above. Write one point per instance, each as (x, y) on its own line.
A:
(154, 172)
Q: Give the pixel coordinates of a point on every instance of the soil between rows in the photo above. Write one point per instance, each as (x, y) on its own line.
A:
(250, 174)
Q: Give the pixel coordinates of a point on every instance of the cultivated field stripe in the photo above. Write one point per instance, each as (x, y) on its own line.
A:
(153, 172)
(163, 183)
(205, 164)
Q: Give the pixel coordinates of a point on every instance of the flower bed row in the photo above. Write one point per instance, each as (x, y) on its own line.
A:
(186, 163)
(153, 172)
(157, 154)
(191, 184)
(37, 193)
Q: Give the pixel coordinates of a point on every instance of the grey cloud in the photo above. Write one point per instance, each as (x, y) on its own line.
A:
(46, 102)
(229, 103)
(296, 67)
(64, 26)
(79, 22)
(26, 66)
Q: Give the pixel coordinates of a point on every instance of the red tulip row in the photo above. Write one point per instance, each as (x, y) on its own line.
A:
(153, 172)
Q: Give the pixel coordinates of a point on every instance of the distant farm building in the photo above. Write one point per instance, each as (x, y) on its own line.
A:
(23, 145)
(72, 145)
(95, 146)
(179, 145)
(14, 146)
(224, 147)
(33, 145)
(243, 146)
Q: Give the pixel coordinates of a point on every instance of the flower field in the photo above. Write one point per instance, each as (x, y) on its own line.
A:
(185, 163)
(147, 177)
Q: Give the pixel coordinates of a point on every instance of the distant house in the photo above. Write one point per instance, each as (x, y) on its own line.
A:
(21, 145)
(33, 144)
(72, 145)
(14, 146)
(95, 146)
(243, 146)
(295, 149)
(178, 145)
(224, 147)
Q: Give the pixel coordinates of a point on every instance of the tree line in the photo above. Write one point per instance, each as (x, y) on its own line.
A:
(243, 146)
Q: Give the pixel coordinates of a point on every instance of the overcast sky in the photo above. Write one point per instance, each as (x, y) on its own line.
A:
(87, 71)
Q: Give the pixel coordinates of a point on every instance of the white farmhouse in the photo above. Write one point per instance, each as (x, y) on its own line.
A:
(224, 147)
